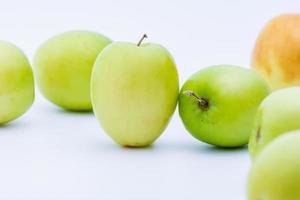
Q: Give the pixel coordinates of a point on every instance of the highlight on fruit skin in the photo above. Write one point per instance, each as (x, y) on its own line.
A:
(275, 174)
(63, 66)
(276, 54)
(16, 83)
(278, 113)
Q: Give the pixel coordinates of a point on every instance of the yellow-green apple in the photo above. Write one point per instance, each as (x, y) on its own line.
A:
(277, 114)
(275, 173)
(16, 83)
(217, 104)
(134, 91)
(63, 67)
(277, 51)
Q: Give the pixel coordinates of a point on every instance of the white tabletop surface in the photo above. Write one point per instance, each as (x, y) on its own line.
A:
(52, 154)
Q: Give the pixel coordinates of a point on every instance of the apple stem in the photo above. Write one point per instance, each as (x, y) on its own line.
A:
(141, 40)
(203, 103)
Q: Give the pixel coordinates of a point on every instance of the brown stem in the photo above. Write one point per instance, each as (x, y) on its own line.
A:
(203, 103)
(258, 135)
(141, 40)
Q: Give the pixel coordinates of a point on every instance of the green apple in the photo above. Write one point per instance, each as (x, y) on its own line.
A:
(275, 173)
(278, 113)
(16, 83)
(134, 91)
(217, 104)
(63, 67)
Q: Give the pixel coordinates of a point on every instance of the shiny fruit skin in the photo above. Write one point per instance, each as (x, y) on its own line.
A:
(233, 95)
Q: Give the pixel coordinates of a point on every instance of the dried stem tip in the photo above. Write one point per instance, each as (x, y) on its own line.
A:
(141, 40)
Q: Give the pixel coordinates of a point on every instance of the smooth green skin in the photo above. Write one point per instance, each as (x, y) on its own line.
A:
(134, 92)
(275, 173)
(16, 83)
(277, 114)
(63, 67)
(233, 93)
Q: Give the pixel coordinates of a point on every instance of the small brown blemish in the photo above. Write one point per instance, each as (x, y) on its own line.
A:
(258, 135)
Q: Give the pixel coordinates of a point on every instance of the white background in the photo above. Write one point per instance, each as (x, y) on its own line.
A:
(53, 154)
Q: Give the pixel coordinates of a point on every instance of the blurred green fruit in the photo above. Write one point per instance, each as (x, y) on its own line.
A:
(63, 67)
(275, 173)
(16, 83)
(277, 114)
